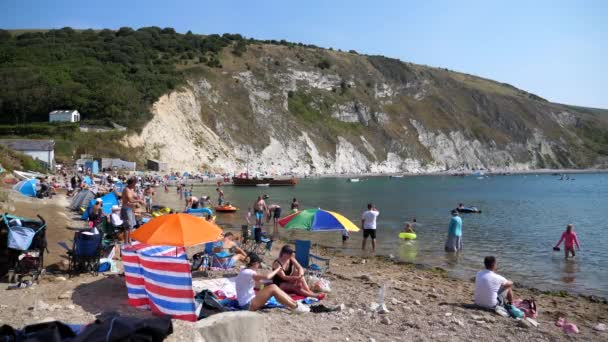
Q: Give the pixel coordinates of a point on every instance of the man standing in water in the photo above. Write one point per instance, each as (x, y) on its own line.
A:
(274, 213)
(454, 242)
(220, 196)
(368, 224)
(259, 209)
(127, 212)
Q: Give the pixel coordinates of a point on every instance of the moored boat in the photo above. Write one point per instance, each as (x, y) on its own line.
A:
(243, 180)
(23, 175)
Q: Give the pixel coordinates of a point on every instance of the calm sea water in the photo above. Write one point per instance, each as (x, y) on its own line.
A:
(523, 217)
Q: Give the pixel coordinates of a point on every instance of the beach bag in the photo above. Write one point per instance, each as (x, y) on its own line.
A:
(20, 238)
(209, 304)
(528, 306)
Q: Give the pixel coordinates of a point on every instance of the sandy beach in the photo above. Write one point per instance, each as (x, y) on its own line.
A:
(423, 303)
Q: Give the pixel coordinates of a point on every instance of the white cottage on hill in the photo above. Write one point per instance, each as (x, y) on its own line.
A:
(64, 116)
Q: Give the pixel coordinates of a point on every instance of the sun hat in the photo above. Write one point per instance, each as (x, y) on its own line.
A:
(115, 207)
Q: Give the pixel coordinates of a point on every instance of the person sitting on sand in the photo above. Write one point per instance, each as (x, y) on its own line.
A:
(249, 300)
(492, 289)
(191, 203)
(229, 246)
(290, 277)
(570, 239)
(408, 228)
(95, 213)
(115, 219)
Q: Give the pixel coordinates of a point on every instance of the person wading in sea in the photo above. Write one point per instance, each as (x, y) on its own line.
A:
(368, 224)
(454, 242)
(220, 196)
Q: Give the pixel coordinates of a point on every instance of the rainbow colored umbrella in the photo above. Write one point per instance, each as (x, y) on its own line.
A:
(317, 220)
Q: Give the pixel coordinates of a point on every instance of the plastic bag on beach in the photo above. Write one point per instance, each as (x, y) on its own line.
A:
(318, 284)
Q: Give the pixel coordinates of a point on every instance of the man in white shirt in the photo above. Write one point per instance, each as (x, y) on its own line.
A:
(368, 224)
(492, 289)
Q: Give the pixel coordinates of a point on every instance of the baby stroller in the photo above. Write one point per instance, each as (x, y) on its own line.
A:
(22, 246)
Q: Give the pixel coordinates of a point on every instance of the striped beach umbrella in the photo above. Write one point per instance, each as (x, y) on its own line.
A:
(317, 220)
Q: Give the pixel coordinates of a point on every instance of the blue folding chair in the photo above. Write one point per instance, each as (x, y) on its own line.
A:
(308, 260)
(85, 253)
(221, 259)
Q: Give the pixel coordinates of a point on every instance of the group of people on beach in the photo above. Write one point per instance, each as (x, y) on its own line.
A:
(260, 210)
(492, 291)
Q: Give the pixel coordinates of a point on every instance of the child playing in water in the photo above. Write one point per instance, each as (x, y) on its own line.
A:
(408, 228)
(569, 238)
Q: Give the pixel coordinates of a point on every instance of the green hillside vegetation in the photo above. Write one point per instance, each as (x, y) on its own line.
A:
(116, 76)
(104, 74)
(13, 160)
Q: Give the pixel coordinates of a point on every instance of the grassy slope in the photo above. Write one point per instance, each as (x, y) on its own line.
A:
(13, 160)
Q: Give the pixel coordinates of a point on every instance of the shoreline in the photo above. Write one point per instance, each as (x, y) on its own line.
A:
(506, 173)
(458, 173)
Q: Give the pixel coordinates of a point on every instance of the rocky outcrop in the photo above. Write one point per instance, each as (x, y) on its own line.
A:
(276, 112)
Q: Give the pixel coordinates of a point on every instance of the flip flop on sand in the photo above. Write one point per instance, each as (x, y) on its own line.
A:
(570, 328)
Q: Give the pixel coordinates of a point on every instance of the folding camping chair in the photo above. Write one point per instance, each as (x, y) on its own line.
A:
(305, 258)
(109, 232)
(85, 253)
(260, 244)
(220, 259)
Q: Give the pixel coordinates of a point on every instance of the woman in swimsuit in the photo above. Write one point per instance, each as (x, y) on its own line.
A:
(290, 277)
(249, 300)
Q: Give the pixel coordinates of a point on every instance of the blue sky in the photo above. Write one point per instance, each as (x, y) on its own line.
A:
(556, 49)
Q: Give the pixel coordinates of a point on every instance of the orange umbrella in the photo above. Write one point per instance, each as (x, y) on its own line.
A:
(181, 230)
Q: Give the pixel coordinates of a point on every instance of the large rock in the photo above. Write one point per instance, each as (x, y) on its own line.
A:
(233, 326)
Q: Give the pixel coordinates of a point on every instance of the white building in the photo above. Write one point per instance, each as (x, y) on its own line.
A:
(42, 150)
(64, 116)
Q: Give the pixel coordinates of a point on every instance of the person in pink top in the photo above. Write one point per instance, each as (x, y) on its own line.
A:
(569, 238)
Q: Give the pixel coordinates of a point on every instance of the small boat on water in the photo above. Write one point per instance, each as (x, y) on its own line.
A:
(469, 210)
(226, 208)
(396, 176)
(263, 185)
(244, 180)
(353, 180)
(23, 175)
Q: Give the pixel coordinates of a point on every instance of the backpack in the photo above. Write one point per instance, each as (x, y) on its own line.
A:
(210, 304)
